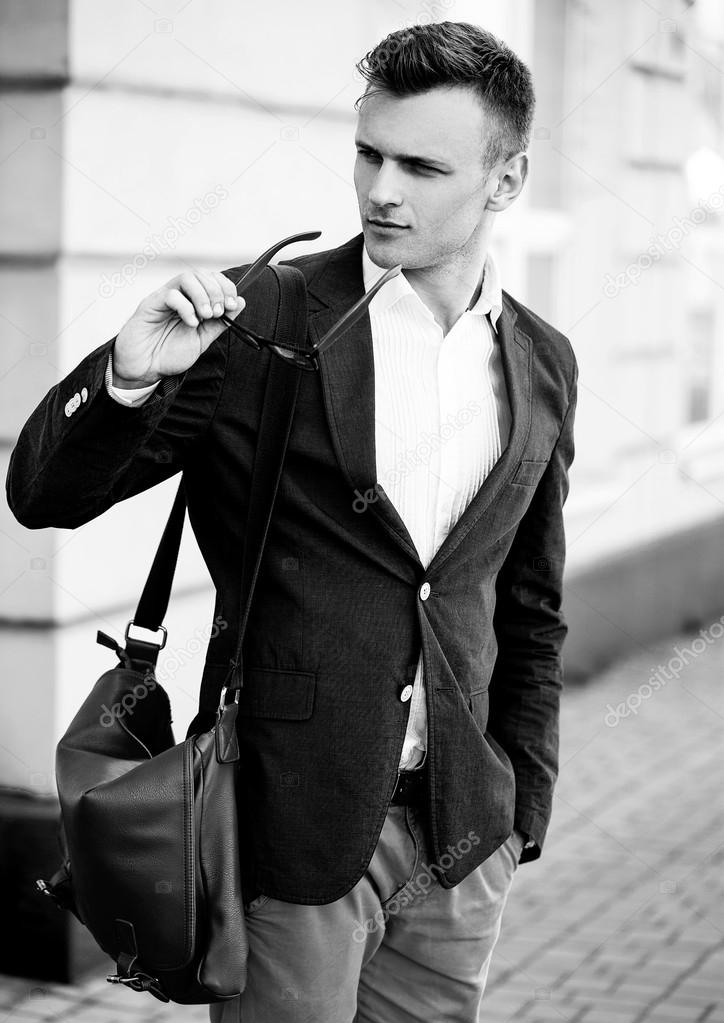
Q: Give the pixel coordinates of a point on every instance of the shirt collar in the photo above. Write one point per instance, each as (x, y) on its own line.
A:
(489, 301)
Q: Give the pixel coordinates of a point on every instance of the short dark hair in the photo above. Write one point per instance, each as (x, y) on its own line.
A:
(422, 57)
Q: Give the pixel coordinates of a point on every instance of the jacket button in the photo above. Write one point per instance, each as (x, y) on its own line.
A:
(424, 591)
(406, 694)
(84, 394)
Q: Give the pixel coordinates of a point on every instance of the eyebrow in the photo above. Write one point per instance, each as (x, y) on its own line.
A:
(404, 157)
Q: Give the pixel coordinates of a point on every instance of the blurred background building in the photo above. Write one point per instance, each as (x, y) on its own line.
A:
(141, 138)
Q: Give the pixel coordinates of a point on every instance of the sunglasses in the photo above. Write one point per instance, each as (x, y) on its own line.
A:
(304, 358)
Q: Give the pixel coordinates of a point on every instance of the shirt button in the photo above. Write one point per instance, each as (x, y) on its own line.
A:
(406, 694)
(424, 591)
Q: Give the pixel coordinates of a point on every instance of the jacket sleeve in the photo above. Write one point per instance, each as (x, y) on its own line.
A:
(81, 451)
(524, 691)
(127, 396)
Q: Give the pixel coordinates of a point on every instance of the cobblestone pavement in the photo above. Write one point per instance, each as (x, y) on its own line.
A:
(622, 919)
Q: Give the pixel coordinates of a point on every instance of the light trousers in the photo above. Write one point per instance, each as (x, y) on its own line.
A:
(397, 948)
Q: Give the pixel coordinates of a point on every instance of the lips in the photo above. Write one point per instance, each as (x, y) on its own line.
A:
(386, 223)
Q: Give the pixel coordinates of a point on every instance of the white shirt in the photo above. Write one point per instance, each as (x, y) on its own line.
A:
(442, 420)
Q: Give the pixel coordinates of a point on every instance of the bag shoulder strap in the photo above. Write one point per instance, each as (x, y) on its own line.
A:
(286, 309)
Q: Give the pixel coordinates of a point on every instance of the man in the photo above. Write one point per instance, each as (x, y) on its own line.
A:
(399, 716)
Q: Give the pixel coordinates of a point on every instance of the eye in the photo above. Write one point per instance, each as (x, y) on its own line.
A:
(367, 154)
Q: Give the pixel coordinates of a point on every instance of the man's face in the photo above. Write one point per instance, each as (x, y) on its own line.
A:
(419, 167)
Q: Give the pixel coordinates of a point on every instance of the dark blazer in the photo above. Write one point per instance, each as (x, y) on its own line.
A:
(338, 619)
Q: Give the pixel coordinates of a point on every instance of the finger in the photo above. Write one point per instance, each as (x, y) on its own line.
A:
(181, 305)
(214, 290)
(195, 291)
(240, 306)
(229, 289)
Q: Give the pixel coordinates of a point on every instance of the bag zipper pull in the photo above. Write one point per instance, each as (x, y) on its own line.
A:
(105, 640)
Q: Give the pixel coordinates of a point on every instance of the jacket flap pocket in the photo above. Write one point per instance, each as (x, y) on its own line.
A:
(530, 471)
(276, 693)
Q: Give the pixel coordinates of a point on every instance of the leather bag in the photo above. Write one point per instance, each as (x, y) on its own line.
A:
(150, 826)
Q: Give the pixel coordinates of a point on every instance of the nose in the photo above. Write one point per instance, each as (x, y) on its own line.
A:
(385, 189)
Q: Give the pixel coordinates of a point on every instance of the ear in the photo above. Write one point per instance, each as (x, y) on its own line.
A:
(506, 183)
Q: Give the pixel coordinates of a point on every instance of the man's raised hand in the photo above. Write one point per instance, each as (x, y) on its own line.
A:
(172, 327)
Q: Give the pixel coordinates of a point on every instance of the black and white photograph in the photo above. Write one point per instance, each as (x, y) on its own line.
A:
(362, 577)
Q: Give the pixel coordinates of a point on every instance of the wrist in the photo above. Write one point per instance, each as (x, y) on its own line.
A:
(126, 383)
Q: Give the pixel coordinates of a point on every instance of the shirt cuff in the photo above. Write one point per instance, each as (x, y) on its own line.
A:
(126, 395)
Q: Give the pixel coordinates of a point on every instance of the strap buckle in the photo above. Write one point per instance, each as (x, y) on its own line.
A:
(160, 628)
(44, 888)
(140, 981)
(222, 697)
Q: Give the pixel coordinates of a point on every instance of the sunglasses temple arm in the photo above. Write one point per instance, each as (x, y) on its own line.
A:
(356, 312)
(257, 267)
(245, 335)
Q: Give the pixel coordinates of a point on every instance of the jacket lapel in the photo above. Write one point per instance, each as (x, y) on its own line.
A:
(348, 383)
(516, 353)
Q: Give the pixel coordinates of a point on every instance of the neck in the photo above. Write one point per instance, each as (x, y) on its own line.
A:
(452, 286)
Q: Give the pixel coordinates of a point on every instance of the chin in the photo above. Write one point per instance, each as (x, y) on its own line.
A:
(385, 252)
